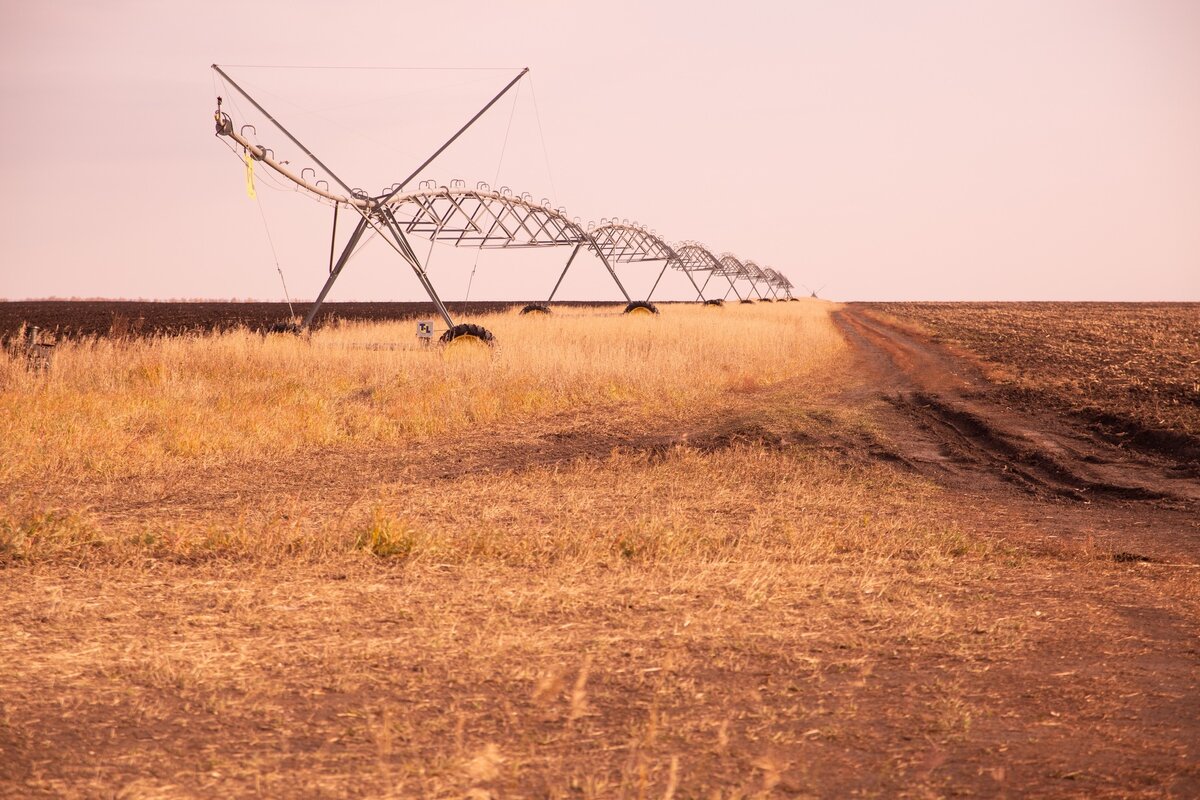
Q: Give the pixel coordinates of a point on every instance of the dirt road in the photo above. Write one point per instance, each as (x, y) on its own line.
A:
(946, 420)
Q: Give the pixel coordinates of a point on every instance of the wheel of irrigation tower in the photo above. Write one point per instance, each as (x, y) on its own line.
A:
(641, 307)
(535, 308)
(282, 327)
(468, 335)
(748, 301)
(718, 303)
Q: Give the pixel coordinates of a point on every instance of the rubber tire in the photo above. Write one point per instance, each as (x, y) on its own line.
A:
(467, 329)
(748, 301)
(282, 327)
(641, 305)
(717, 303)
(535, 308)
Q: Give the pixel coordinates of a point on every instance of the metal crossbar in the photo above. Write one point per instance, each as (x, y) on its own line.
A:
(695, 257)
(733, 268)
(464, 217)
(624, 243)
(784, 284)
(755, 275)
(484, 218)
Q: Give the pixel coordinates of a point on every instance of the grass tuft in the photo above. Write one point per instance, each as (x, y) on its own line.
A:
(387, 537)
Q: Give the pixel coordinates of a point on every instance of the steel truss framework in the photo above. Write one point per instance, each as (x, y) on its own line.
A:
(625, 243)
(484, 218)
(778, 283)
(755, 273)
(785, 285)
(465, 217)
(736, 270)
(695, 257)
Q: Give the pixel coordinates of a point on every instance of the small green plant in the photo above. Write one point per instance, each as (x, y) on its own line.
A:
(12, 542)
(45, 534)
(387, 537)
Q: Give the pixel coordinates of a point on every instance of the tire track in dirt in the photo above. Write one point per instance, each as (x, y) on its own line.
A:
(947, 425)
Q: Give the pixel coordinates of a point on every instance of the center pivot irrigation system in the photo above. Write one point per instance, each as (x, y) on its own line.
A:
(482, 217)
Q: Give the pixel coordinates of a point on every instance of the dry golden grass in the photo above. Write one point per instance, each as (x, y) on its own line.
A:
(118, 409)
(620, 558)
(684, 507)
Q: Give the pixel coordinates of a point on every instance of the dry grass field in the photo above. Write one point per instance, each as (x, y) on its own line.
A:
(696, 555)
(112, 409)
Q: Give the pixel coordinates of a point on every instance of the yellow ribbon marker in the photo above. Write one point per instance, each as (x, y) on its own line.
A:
(249, 175)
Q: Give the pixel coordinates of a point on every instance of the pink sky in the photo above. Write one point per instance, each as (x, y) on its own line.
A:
(884, 150)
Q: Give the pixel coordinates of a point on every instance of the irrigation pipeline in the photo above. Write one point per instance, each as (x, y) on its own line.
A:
(482, 217)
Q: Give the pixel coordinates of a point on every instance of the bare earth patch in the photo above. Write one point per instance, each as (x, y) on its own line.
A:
(796, 585)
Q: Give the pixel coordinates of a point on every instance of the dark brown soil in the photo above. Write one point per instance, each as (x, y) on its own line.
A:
(76, 318)
(1130, 370)
(965, 430)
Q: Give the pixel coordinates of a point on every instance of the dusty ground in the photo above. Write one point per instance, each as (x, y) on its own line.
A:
(1128, 371)
(973, 428)
(891, 583)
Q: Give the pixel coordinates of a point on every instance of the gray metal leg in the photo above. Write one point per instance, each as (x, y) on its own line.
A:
(574, 253)
(656, 280)
(336, 270)
(613, 272)
(415, 263)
